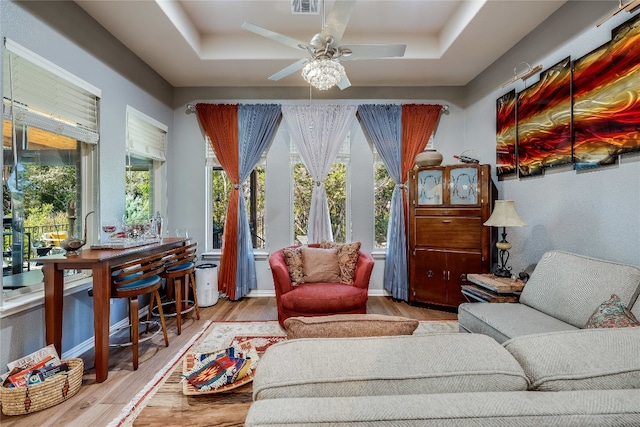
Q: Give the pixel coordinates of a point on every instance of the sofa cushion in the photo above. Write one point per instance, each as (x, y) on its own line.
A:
(320, 265)
(349, 325)
(495, 409)
(569, 287)
(505, 321)
(370, 366)
(326, 298)
(347, 258)
(587, 359)
(612, 314)
(293, 259)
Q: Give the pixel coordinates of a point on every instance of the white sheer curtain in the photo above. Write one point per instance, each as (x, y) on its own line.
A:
(318, 132)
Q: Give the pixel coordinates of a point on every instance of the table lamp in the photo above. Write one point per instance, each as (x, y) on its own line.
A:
(504, 215)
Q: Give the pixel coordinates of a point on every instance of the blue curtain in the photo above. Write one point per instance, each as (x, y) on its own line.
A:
(257, 125)
(383, 126)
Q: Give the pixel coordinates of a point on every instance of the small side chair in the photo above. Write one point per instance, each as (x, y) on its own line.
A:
(132, 280)
(179, 272)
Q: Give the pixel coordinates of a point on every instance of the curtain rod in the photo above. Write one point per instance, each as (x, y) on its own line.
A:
(191, 108)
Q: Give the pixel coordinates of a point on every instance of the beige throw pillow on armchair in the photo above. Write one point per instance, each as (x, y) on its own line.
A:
(320, 265)
(347, 259)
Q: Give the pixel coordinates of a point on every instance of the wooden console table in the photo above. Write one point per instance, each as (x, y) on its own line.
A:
(490, 288)
(100, 262)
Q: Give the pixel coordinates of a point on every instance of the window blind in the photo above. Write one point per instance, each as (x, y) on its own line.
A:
(342, 157)
(45, 96)
(145, 136)
(212, 160)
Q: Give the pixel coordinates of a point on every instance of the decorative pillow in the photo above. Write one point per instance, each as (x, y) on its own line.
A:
(347, 259)
(293, 258)
(612, 314)
(348, 325)
(320, 265)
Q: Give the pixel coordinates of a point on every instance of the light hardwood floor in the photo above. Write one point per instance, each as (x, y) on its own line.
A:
(97, 404)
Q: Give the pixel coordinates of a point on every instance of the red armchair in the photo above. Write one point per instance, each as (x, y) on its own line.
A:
(320, 299)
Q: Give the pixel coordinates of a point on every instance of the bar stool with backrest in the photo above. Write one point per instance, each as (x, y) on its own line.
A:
(133, 279)
(179, 272)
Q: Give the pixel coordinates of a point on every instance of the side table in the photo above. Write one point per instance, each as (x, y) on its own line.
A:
(490, 288)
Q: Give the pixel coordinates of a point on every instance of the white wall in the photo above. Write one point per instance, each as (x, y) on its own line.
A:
(594, 213)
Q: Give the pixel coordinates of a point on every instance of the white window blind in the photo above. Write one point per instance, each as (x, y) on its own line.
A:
(212, 160)
(45, 96)
(146, 136)
(342, 157)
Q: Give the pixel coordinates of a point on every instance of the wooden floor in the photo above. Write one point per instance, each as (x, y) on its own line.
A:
(97, 404)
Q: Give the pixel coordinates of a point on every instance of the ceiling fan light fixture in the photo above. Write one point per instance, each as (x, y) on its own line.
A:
(323, 73)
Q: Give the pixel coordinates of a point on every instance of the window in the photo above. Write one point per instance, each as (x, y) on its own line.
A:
(336, 187)
(383, 187)
(146, 146)
(49, 134)
(253, 190)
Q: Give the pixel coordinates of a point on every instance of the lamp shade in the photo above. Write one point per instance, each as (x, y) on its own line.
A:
(504, 215)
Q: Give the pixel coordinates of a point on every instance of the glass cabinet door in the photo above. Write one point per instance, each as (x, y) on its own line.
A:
(463, 186)
(430, 187)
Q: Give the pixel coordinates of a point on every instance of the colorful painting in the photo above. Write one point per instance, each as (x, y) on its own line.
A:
(506, 135)
(544, 121)
(606, 99)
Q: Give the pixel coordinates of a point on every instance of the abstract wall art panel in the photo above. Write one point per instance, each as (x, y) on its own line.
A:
(544, 121)
(506, 134)
(606, 99)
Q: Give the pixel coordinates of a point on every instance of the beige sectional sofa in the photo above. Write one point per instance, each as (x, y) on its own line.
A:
(532, 364)
(587, 377)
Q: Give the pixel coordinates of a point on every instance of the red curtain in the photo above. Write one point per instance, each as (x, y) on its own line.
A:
(418, 123)
(220, 124)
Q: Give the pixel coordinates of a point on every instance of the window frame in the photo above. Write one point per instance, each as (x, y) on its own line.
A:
(80, 122)
(147, 138)
(344, 156)
(211, 165)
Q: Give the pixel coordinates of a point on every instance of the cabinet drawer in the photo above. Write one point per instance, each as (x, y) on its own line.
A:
(448, 212)
(448, 232)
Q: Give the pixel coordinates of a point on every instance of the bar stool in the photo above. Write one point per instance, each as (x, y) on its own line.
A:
(179, 272)
(131, 280)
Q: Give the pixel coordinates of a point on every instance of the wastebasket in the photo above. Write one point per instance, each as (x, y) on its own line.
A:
(207, 284)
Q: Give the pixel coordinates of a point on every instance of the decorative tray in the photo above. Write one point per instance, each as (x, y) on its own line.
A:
(191, 359)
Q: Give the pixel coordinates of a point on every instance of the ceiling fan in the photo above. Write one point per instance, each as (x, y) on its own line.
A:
(326, 45)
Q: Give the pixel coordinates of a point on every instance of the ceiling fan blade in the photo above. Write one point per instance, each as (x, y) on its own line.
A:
(338, 19)
(286, 40)
(344, 83)
(290, 69)
(373, 51)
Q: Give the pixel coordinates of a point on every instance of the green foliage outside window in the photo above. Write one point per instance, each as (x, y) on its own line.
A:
(336, 187)
(383, 189)
(221, 187)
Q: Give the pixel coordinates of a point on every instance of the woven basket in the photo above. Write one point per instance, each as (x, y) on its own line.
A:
(25, 400)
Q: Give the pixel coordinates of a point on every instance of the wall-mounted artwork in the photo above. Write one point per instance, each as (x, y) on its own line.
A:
(544, 121)
(506, 134)
(606, 99)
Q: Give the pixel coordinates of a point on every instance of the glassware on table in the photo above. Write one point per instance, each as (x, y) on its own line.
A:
(108, 228)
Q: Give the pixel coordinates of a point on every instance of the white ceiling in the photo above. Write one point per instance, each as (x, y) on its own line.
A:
(201, 43)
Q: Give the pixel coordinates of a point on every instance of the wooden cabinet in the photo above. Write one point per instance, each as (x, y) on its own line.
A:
(447, 207)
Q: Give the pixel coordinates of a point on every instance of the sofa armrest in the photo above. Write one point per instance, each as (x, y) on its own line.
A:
(364, 267)
(280, 272)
